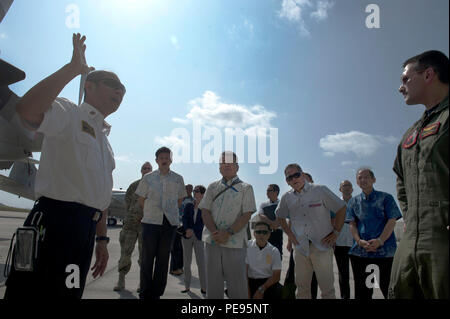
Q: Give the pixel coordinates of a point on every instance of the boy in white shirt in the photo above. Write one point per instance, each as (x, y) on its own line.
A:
(263, 265)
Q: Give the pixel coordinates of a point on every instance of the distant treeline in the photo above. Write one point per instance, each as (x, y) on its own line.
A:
(13, 209)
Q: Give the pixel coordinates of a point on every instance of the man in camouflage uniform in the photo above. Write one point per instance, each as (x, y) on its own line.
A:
(420, 268)
(132, 229)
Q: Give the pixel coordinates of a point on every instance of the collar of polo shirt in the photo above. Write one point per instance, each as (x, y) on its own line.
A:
(305, 188)
(230, 181)
(98, 117)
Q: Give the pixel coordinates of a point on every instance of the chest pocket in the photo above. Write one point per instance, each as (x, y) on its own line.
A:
(90, 150)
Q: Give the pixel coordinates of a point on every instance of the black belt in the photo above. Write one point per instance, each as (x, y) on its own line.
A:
(96, 213)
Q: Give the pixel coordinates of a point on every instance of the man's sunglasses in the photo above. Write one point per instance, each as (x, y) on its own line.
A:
(113, 84)
(291, 177)
(261, 232)
(197, 191)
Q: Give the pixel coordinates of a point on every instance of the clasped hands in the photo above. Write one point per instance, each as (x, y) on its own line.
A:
(369, 245)
(221, 236)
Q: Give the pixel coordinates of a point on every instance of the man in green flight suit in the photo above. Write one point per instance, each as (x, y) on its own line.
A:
(132, 229)
(420, 268)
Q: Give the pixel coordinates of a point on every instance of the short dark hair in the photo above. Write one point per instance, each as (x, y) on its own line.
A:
(435, 59)
(227, 155)
(163, 150)
(262, 223)
(275, 187)
(294, 165)
(310, 177)
(201, 188)
(366, 169)
(97, 75)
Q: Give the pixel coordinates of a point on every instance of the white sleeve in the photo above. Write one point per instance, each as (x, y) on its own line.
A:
(142, 188)
(276, 264)
(57, 117)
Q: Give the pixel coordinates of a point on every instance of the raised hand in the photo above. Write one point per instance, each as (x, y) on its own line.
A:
(78, 62)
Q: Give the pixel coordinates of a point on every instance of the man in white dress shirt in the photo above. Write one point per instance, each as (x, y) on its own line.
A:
(226, 209)
(160, 195)
(74, 181)
(308, 208)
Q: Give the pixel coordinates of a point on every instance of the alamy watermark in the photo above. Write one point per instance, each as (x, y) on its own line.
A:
(73, 17)
(373, 279)
(373, 19)
(205, 144)
(73, 279)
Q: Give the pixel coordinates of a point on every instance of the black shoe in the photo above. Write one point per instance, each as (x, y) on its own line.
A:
(185, 291)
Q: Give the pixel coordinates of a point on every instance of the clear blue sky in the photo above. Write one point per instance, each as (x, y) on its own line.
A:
(310, 69)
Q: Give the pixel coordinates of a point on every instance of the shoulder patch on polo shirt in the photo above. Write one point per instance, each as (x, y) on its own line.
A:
(315, 205)
(429, 130)
(411, 140)
(85, 127)
(268, 259)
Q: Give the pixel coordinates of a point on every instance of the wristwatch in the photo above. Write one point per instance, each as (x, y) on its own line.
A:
(99, 238)
(336, 232)
(230, 231)
(261, 289)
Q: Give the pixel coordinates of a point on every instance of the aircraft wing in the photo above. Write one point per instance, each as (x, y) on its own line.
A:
(11, 186)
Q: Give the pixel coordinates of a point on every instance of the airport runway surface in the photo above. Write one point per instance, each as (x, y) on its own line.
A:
(102, 287)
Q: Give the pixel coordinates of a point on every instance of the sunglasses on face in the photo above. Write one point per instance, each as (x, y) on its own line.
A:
(291, 177)
(197, 191)
(113, 84)
(261, 232)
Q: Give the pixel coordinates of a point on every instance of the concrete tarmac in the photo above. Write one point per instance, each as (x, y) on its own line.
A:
(102, 287)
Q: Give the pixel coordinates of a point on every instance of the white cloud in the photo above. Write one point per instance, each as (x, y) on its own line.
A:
(321, 12)
(348, 163)
(295, 10)
(361, 144)
(292, 9)
(172, 141)
(209, 110)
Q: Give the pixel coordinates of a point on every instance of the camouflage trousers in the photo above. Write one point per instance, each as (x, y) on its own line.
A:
(130, 233)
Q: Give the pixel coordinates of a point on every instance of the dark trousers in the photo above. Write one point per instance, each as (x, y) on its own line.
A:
(289, 280)
(273, 292)
(156, 243)
(276, 239)
(359, 265)
(343, 262)
(68, 240)
(176, 254)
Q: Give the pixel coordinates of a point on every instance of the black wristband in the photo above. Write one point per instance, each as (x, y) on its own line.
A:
(99, 238)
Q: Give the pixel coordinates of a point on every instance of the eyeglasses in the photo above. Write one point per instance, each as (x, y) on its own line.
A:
(113, 84)
(197, 191)
(291, 177)
(270, 190)
(261, 232)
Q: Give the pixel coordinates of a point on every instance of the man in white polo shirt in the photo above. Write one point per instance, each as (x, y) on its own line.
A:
(74, 180)
(160, 195)
(312, 234)
(226, 209)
